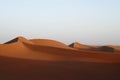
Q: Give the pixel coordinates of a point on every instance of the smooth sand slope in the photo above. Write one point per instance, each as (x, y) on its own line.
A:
(50, 43)
(26, 69)
(41, 59)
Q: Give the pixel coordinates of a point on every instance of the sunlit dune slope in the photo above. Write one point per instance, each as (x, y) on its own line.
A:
(52, 43)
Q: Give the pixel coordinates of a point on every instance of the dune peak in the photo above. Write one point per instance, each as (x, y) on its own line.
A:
(17, 39)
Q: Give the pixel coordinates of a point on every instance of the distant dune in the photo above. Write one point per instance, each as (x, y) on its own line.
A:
(81, 46)
(43, 59)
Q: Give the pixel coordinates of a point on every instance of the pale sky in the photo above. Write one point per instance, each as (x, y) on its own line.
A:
(94, 22)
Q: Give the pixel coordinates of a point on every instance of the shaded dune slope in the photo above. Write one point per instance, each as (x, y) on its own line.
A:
(50, 50)
(12, 41)
(24, 69)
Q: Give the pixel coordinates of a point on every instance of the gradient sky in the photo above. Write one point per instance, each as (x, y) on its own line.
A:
(94, 22)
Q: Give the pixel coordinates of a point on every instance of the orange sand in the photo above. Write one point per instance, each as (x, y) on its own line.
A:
(41, 59)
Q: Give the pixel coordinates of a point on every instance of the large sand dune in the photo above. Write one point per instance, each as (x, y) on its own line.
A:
(42, 59)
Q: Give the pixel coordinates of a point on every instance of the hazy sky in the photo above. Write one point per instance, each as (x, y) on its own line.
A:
(95, 22)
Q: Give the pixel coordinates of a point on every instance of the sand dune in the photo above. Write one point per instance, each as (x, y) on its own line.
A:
(106, 48)
(52, 50)
(52, 43)
(81, 46)
(23, 59)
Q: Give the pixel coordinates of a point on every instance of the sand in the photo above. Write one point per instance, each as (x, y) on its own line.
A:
(43, 59)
